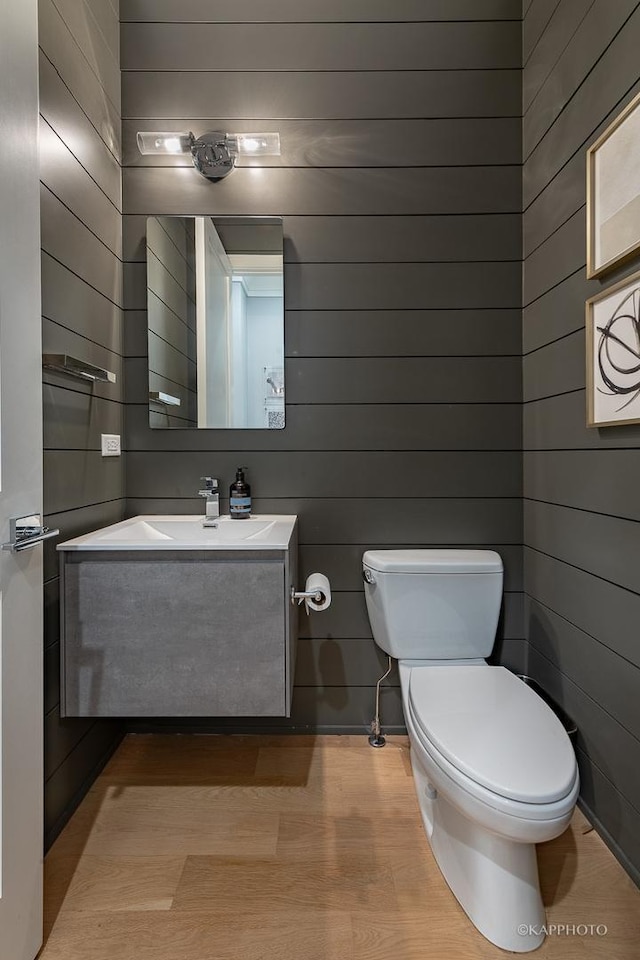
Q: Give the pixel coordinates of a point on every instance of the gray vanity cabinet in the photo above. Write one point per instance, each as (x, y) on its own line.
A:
(178, 634)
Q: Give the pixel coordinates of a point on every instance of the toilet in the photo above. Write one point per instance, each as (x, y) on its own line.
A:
(494, 770)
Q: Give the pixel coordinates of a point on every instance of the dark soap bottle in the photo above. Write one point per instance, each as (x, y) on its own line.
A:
(240, 497)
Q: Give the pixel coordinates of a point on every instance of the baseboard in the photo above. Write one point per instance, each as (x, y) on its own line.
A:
(268, 729)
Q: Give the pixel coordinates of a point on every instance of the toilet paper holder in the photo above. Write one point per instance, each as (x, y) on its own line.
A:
(302, 595)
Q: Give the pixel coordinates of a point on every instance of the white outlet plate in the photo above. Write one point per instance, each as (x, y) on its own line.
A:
(110, 444)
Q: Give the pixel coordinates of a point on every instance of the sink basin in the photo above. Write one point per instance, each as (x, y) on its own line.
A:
(188, 533)
(185, 529)
(176, 529)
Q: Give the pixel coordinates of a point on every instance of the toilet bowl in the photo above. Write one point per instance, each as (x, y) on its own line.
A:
(494, 770)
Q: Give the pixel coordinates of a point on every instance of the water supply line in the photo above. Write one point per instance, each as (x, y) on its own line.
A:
(376, 738)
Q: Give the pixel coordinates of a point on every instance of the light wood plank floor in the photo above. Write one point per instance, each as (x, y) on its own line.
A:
(289, 848)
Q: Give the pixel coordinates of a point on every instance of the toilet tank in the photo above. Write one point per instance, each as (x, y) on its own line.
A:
(433, 604)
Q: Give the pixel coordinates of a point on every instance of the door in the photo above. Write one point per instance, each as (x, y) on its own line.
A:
(20, 488)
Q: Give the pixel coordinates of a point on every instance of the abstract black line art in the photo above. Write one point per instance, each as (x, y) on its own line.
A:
(618, 351)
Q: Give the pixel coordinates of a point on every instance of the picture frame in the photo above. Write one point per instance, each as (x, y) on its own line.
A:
(613, 354)
(613, 193)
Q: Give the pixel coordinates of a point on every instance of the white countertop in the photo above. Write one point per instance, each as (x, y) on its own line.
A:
(187, 532)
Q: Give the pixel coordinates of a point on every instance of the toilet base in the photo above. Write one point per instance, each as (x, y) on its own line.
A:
(494, 879)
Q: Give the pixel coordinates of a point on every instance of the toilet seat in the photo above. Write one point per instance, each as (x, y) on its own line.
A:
(494, 737)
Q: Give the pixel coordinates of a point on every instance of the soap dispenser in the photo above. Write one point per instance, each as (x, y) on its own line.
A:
(240, 497)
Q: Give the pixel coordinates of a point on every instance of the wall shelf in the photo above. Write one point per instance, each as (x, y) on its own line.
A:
(72, 367)
(158, 397)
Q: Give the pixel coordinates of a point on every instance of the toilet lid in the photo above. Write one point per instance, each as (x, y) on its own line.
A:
(494, 729)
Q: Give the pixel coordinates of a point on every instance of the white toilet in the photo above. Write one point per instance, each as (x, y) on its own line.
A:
(494, 769)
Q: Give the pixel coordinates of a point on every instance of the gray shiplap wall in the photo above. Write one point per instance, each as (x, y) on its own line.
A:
(580, 486)
(82, 315)
(400, 189)
(171, 317)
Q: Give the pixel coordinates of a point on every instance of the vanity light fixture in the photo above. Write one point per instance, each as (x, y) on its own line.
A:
(213, 154)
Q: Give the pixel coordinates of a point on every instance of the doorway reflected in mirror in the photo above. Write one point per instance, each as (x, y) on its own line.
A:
(215, 319)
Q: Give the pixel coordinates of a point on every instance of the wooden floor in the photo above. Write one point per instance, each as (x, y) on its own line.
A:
(289, 848)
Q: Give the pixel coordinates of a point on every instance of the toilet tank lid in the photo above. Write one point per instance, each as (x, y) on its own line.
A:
(433, 561)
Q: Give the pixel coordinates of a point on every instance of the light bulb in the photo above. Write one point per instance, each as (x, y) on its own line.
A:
(153, 141)
(257, 144)
(251, 145)
(171, 144)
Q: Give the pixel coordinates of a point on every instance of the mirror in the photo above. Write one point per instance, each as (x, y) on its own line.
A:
(215, 321)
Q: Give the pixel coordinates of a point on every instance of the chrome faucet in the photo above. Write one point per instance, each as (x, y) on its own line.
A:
(212, 501)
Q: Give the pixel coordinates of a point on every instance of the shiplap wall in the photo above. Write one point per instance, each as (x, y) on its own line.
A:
(400, 188)
(171, 315)
(82, 316)
(582, 577)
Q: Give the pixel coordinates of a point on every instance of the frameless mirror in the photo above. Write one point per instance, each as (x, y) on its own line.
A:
(215, 320)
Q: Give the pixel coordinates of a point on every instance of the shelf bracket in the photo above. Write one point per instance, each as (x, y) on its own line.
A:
(63, 363)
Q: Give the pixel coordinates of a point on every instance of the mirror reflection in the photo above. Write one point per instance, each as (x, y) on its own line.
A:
(215, 318)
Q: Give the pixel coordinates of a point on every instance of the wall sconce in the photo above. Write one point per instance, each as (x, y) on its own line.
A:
(213, 154)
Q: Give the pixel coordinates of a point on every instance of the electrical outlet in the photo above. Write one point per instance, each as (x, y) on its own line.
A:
(110, 444)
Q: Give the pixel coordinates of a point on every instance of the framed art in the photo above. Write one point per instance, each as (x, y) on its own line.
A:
(613, 355)
(613, 192)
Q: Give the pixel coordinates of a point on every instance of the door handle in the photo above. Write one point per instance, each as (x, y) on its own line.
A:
(25, 532)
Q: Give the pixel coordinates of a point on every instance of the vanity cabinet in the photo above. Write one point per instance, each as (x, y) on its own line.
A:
(162, 633)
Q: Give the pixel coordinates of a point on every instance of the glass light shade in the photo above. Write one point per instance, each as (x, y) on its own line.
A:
(256, 144)
(153, 141)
